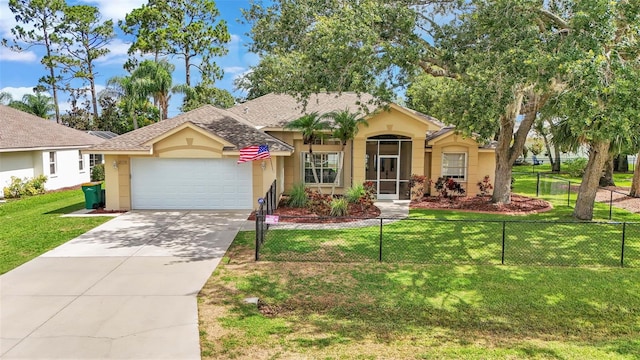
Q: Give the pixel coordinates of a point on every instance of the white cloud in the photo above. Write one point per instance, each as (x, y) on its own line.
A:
(115, 9)
(235, 39)
(23, 56)
(7, 20)
(234, 69)
(118, 53)
(18, 92)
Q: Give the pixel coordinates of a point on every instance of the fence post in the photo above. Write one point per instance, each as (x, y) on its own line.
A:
(538, 185)
(624, 230)
(380, 254)
(569, 195)
(257, 235)
(504, 225)
(610, 204)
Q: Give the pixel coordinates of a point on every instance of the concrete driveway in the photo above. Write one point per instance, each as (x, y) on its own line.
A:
(124, 290)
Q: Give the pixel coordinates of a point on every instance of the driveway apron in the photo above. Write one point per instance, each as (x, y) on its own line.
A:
(124, 290)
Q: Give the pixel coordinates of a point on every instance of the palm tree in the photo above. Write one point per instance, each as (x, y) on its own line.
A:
(312, 127)
(345, 128)
(132, 92)
(5, 98)
(158, 80)
(38, 104)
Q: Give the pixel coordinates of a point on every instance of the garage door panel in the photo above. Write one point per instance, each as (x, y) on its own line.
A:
(190, 184)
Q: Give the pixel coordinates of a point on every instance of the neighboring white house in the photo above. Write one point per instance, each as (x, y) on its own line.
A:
(32, 146)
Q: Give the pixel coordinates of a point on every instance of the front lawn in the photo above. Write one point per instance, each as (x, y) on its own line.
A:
(392, 311)
(32, 226)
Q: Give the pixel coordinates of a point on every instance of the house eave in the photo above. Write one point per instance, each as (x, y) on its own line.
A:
(44, 148)
(118, 152)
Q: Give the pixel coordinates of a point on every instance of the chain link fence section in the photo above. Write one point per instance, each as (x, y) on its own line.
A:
(437, 241)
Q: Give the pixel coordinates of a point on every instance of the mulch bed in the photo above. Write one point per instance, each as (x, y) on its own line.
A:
(520, 205)
(304, 215)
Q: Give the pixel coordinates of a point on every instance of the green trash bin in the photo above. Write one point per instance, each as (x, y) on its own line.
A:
(92, 194)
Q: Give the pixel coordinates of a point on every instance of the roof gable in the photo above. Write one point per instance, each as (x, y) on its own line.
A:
(20, 131)
(221, 125)
(192, 126)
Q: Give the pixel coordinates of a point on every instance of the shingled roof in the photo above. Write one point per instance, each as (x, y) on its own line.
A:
(219, 122)
(277, 110)
(20, 131)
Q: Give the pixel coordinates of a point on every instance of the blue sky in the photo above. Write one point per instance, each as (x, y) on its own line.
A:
(19, 72)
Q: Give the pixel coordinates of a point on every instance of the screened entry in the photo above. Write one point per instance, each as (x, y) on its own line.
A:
(388, 166)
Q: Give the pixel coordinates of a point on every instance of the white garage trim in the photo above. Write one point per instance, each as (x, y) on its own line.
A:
(207, 184)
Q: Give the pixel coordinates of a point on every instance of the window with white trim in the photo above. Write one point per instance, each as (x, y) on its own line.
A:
(95, 159)
(52, 163)
(326, 165)
(454, 165)
(80, 161)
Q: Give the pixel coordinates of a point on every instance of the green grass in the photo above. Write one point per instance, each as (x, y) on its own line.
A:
(369, 311)
(620, 179)
(453, 237)
(32, 226)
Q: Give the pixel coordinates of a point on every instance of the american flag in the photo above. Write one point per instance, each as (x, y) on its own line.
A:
(254, 152)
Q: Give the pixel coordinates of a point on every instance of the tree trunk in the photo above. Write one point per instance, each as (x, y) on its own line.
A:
(549, 154)
(187, 70)
(94, 96)
(134, 117)
(510, 145)
(635, 183)
(607, 175)
(313, 169)
(52, 73)
(621, 163)
(556, 165)
(339, 173)
(598, 154)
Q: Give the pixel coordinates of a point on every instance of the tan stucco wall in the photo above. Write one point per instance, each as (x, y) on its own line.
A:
(117, 173)
(293, 164)
(486, 166)
(186, 143)
(397, 123)
(479, 163)
(263, 178)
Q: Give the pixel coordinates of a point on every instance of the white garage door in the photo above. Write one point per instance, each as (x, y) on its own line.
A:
(190, 184)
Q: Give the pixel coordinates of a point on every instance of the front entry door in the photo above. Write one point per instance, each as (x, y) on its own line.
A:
(388, 179)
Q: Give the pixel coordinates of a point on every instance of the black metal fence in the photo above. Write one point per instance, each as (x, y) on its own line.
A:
(566, 191)
(267, 206)
(436, 241)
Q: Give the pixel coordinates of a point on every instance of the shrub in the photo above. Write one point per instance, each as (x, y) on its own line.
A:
(416, 183)
(485, 186)
(14, 190)
(97, 173)
(448, 188)
(319, 203)
(25, 187)
(354, 193)
(576, 167)
(35, 186)
(298, 197)
(339, 207)
(370, 188)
